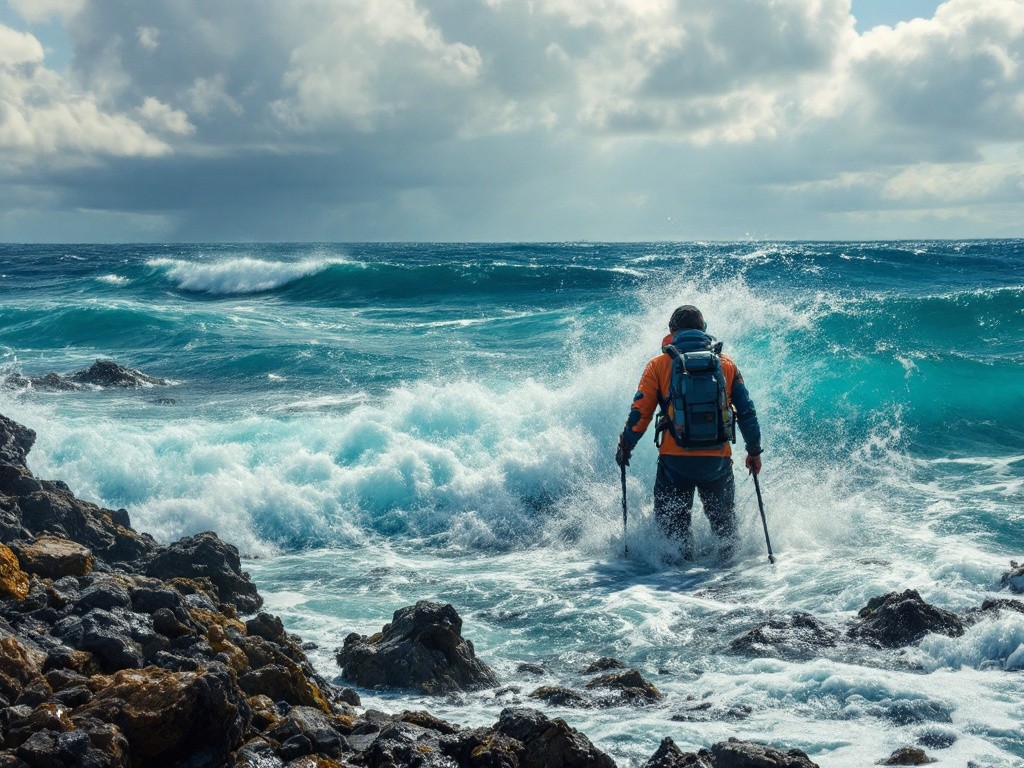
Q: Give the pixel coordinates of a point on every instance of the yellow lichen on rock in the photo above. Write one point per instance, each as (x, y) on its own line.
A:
(13, 580)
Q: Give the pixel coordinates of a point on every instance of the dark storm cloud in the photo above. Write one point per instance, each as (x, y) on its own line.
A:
(432, 119)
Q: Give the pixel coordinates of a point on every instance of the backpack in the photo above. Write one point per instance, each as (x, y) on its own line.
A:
(697, 411)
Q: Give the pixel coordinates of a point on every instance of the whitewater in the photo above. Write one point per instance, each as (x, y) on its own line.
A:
(376, 424)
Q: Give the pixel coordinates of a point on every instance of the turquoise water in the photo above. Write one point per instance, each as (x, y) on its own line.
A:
(378, 424)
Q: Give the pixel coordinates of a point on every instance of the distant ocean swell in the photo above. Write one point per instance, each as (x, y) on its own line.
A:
(515, 460)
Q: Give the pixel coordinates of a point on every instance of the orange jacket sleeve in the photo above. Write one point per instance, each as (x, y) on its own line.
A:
(644, 402)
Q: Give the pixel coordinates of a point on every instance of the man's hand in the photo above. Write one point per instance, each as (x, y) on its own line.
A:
(754, 464)
(623, 453)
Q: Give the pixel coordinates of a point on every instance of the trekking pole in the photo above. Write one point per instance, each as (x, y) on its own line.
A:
(625, 553)
(764, 521)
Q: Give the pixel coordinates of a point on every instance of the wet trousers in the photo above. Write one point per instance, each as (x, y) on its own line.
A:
(677, 479)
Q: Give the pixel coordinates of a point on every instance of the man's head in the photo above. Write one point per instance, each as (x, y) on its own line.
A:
(687, 317)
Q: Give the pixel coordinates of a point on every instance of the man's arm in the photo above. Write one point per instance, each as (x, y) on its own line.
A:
(640, 414)
(746, 419)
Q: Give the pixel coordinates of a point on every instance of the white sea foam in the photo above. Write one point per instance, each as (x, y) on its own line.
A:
(113, 279)
(239, 275)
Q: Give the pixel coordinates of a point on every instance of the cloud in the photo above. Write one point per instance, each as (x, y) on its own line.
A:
(424, 118)
(164, 118)
(42, 116)
(43, 10)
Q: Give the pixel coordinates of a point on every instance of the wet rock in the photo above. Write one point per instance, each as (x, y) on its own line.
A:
(20, 665)
(915, 711)
(898, 619)
(206, 556)
(171, 718)
(44, 717)
(558, 696)
(603, 664)
(53, 557)
(630, 686)
(284, 682)
(257, 753)
(1013, 579)
(15, 442)
(403, 745)
(349, 696)
(747, 754)
(13, 580)
(995, 605)
(527, 668)
(61, 750)
(937, 739)
(106, 595)
(549, 743)
(668, 755)
(422, 648)
(800, 635)
(324, 733)
(107, 373)
(908, 756)
(424, 719)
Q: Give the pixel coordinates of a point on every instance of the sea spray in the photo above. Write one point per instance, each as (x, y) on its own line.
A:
(438, 422)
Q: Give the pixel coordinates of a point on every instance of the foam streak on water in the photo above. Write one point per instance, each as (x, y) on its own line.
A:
(382, 423)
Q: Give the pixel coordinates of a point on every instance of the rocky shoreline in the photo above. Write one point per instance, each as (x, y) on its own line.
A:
(119, 651)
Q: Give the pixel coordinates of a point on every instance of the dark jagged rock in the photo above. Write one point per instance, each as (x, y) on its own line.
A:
(936, 739)
(668, 755)
(170, 718)
(402, 745)
(747, 754)
(800, 635)
(908, 756)
(205, 555)
(530, 669)
(603, 664)
(629, 684)
(426, 720)
(559, 696)
(549, 743)
(898, 619)
(1013, 579)
(525, 738)
(422, 648)
(107, 373)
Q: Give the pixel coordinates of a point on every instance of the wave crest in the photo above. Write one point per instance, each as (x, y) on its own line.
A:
(240, 275)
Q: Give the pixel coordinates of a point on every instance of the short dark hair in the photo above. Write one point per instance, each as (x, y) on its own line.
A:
(686, 316)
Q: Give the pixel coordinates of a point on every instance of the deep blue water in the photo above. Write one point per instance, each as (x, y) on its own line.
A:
(383, 423)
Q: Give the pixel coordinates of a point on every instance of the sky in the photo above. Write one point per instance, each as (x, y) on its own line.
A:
(510, 120)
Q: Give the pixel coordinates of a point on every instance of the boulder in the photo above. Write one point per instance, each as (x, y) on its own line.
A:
(898, 619)
(172, 718)
(54, 557)
(603, 664)
(1013, 579)
(798, 636)
(205, 555)
(422, 649)
(549, 743)
(747, 754)
(15, 442)
(13, 580)
(668, 755)
(908, 756)
(107, 373)
(323, 733)
(630, 686)
(559, 696)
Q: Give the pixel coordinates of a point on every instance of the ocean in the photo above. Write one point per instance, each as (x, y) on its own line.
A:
(376, 424)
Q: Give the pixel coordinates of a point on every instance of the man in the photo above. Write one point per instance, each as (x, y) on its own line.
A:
(682, 470)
